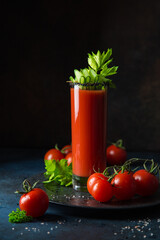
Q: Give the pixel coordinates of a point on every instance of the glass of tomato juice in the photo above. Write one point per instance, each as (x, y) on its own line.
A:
(88, 125)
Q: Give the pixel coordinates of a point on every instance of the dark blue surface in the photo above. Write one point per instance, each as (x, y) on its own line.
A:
(16, 165)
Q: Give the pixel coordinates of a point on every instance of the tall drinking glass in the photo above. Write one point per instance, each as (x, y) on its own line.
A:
(88, 124)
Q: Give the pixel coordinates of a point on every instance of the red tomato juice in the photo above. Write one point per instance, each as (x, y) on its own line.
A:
(88, 121)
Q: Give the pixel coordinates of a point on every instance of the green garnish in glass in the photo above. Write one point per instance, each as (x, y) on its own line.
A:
(98, 70)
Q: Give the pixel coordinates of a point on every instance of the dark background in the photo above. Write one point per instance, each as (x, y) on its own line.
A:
(42, 42)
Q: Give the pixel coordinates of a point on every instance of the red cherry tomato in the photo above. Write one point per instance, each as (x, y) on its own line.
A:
(66, 149)
(91, 181)
(54, 154)
(146, 183)
(116, 154)
(68, 157)
(35, 202)
(124, 186)
(99, 187)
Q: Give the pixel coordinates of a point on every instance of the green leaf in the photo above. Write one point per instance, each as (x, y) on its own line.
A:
(78, 75)
(58, 172)
(19, 217)
(102, 79)
(92, 73)
(71, 79)
(92, 62)
(97, 58)
(85, 72)
(88, 79)
(107, 63)
(50, 165)
(107, 55)
(104, 72)
(96, 79)
(102, 55)
(109, 71)
(112, 70)
(82, 80)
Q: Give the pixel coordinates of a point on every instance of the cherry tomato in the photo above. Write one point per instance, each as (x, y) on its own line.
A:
(116, 154)
(99, 187)
(54, 154)
(68, 157)
(66, 149)
(35, 202)
(92, 179)
(124, 186)
(146, 183)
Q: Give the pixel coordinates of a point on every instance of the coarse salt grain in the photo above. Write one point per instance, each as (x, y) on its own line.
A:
(59, 222)
(138, 229)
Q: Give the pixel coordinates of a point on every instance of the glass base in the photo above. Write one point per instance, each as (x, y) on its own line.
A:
(79, 183)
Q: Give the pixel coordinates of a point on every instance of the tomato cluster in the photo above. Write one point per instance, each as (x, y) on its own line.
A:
(99, 187)
(57, 154)
(122, 184)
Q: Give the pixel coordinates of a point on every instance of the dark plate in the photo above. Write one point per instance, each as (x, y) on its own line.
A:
(67, 197)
